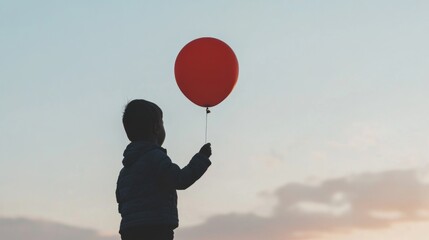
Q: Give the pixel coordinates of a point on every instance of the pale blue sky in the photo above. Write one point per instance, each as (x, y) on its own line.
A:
(326, 89)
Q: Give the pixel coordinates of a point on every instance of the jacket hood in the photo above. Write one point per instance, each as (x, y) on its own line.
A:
(135, 149)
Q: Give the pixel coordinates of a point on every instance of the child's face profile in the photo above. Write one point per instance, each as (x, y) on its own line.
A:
(160, 132)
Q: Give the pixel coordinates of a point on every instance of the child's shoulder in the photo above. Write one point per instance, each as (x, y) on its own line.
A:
(157, 152)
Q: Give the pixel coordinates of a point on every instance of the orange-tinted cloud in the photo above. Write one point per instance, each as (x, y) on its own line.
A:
(366, 201)
(21, 229)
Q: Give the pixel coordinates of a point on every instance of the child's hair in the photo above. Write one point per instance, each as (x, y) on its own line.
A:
(140, 116)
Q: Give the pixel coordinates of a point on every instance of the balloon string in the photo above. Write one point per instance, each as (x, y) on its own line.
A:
(207, 114)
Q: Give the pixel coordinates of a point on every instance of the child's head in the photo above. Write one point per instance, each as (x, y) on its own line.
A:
(142, 120)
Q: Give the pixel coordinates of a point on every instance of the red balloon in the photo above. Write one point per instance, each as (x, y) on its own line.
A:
(206, 71)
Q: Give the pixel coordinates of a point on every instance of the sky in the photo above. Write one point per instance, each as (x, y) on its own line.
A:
(324, 137)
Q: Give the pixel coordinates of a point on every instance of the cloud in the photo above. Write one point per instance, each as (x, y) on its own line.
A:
(365, 201)
(21, 228)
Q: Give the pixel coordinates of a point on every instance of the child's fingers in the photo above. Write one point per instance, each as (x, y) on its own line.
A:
(206, 150)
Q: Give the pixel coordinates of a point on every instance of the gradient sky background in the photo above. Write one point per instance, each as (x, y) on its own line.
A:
(325, 136)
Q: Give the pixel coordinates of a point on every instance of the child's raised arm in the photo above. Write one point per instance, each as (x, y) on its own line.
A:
(172, 176)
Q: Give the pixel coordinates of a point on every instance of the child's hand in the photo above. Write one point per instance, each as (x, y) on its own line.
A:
(206, 150)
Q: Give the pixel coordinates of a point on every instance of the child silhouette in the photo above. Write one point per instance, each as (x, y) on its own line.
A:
(147, 184)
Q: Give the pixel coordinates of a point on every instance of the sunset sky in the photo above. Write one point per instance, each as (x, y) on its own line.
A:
(325, 136)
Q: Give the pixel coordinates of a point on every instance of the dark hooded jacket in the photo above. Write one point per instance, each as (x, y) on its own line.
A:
(146, 186)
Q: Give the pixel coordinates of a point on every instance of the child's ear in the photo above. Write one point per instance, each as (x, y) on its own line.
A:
(156, 128)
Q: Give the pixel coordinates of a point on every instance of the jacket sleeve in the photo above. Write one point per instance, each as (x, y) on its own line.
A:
(117, 199)
(172, 176)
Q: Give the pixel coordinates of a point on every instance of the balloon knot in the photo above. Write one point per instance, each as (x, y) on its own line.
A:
(207, 111)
